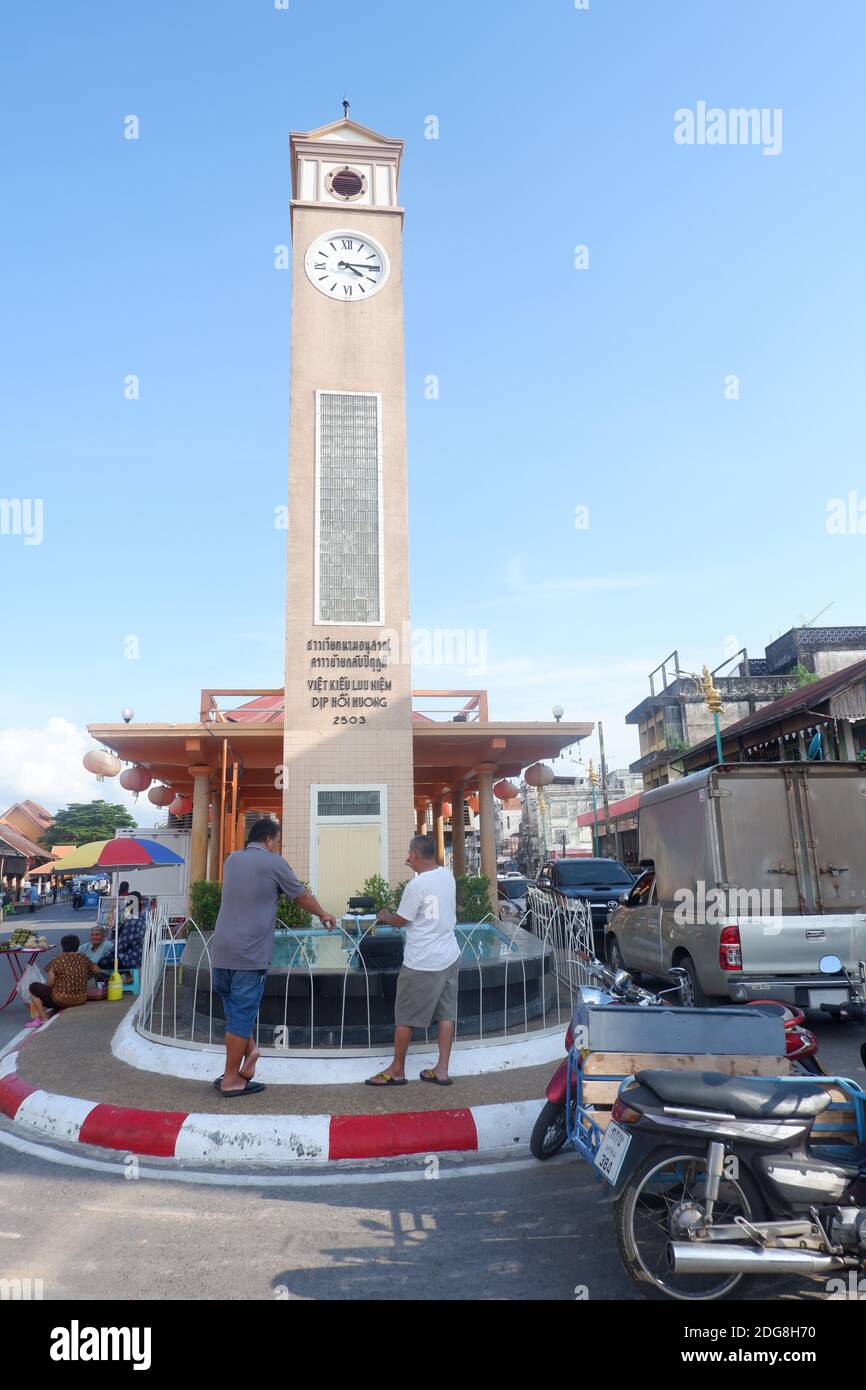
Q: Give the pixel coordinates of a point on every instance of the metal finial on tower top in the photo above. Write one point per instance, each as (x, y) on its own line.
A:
(346, 107)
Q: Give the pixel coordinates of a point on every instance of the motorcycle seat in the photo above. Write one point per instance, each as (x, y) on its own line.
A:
(742, 1096)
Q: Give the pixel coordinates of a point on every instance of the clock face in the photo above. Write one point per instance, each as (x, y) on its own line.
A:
(346, 266)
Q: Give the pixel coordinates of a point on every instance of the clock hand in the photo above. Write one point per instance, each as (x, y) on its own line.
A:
(344, 265)
(353, 265)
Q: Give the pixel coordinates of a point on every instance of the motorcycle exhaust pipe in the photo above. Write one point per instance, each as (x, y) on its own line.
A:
(700, 1257)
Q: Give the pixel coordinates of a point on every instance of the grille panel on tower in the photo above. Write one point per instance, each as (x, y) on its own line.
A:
(348, 508)
(349, 803)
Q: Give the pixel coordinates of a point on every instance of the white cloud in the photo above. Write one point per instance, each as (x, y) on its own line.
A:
(45, 765)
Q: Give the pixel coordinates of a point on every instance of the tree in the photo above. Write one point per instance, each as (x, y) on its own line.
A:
(82, 821)
(804, 676)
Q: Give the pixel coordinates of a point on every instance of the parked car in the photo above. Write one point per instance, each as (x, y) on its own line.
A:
(598, 882)
(758, 871)
(512, 899)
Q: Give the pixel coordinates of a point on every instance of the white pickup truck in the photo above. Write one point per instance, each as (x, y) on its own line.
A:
(753, 873)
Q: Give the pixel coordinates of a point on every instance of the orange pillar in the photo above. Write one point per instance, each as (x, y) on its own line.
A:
(486, 815)
(198, 836)
(439, 829)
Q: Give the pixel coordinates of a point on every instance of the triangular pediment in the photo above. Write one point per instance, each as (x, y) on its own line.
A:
(348, 132)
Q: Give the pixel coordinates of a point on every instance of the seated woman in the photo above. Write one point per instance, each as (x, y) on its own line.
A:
(67, 978)
(98, 946)
(130, 944)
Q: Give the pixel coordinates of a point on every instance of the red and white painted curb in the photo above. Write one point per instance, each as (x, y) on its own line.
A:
(261, 1139)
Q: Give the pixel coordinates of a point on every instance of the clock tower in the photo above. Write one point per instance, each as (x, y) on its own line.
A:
(347, 775)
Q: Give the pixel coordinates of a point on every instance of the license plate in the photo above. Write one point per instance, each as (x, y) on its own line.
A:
(817, 997)
(612, 1151)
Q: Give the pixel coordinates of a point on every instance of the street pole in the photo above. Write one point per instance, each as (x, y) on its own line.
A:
(542, 830)
(714, 705)
(593, 779)
(604, 786)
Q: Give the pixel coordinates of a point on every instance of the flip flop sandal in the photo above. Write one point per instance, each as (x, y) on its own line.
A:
(384, 1078)
(218, 1083)
(429, 1075)
(252, 1088)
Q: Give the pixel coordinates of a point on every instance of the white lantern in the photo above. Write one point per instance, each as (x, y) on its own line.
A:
(539, 775)
(102, 763)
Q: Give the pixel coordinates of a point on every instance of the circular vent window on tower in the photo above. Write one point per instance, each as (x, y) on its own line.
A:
(346, 183)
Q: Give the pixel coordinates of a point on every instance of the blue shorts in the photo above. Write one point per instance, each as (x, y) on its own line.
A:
(241, 992)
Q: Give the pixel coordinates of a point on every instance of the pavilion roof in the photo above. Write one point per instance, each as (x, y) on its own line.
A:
(24, 848)
(443, 751)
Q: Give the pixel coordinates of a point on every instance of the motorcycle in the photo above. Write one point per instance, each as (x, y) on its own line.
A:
(549, 1132)
(801, 1044)
(720, 1177)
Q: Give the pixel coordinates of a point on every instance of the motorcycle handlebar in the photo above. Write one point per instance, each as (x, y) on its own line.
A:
(631, 992)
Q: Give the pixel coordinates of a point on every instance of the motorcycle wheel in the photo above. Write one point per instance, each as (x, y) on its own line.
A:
(645, 1216)
(548, 1132)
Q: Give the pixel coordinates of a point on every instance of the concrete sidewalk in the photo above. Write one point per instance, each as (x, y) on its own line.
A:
(73, 1057)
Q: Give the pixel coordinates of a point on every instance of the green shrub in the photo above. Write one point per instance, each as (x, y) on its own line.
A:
(382, 895)
(473, 897)
(204, 903)
(377, 889)
(292, 916)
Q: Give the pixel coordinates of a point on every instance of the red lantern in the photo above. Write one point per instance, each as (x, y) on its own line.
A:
(160, 796)
(475, 803)
(447, 810)
(505, 791)
(135, 779)
(180, 807)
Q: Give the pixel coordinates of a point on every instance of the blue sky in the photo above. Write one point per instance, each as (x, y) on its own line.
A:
(558, 387)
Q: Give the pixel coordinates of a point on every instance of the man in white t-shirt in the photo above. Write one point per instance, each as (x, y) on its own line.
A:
(427, 983)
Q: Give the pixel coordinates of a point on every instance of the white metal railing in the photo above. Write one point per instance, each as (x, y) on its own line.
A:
(177, 1002)
(566, 924)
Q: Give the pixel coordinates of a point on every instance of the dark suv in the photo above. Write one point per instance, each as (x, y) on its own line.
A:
(599, 882)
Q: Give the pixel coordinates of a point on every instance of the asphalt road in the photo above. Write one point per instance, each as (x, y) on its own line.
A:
(530, 1234)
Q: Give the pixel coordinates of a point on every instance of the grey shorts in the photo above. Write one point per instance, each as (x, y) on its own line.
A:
(426, 996)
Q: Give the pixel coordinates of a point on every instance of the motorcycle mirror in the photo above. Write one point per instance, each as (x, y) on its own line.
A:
(829, 965)
(676, 972)
(622, 979)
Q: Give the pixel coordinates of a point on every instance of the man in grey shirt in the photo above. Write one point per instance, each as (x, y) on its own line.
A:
(243, 944)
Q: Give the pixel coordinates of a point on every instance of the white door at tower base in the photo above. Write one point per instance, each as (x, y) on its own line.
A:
(346, 855)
